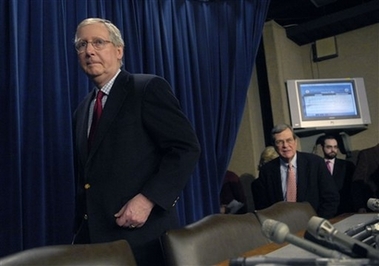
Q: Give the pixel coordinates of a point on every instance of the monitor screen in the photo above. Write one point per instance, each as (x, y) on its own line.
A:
(327, 103)
(330, 100)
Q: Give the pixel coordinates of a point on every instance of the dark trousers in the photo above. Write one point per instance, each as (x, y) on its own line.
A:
(82, 236)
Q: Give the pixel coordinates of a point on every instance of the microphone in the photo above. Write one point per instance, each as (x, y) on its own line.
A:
(324, 230)
(279, 232)
(373, 204)
(373, 229)
(264, 260)
(352, 231)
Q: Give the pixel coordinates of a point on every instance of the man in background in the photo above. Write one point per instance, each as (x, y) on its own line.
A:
(341, 170)
(295, 177)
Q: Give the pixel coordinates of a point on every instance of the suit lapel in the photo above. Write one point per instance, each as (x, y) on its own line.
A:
(114, 102)
(277, 182)
(82, 127)
(302, 180)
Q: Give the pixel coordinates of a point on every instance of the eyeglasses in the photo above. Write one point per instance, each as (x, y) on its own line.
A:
(280, 143)
(98, 44)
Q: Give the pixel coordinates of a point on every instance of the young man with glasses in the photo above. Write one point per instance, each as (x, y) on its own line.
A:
(134, 149)
(311, 180)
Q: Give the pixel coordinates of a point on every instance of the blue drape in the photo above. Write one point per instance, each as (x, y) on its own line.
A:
(205, 49)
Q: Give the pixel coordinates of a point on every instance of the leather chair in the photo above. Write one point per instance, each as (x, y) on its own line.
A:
(213, 239)
(246, 180)
(295, 214)
(112, 253)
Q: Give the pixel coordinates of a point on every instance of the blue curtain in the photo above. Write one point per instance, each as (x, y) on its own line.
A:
(205, 49)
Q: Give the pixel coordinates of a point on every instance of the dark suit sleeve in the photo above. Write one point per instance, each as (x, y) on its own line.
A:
(172, 132)
(365, 167)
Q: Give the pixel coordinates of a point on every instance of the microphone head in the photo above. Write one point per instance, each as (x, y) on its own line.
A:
(373, 204)
(319, 227)
(274, 230)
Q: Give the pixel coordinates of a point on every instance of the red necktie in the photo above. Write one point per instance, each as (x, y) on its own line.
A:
(97, 110)
(291, 184)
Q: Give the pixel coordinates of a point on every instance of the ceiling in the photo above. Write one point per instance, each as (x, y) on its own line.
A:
(306, 21)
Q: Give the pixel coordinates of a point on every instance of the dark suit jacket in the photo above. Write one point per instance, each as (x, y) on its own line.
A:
(314, 185)
(342, 175)
(366, 177)
(143, 144)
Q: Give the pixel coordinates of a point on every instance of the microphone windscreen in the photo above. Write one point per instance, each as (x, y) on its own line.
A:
(268, 227)
(274, 230)
(373, 204)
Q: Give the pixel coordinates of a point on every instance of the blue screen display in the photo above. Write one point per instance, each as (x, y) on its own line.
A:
(330, 100)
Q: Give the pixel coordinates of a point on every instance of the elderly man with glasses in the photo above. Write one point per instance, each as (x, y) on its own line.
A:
(295, 176)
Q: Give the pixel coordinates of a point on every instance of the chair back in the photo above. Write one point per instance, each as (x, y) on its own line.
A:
(246, 180)
(112, 253)
(295, 214)
(213, 239)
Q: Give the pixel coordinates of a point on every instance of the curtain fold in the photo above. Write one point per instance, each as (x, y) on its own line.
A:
(205, 49)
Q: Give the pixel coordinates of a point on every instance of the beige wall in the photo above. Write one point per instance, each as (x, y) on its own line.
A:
(250, 139)
(358, 56)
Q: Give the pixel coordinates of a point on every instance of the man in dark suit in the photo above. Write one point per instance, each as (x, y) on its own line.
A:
(366, 178)
(313, 182)
(342, 172)
(143, 151)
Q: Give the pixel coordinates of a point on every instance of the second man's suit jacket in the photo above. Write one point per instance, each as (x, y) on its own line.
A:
(314, 185)
(342, 174)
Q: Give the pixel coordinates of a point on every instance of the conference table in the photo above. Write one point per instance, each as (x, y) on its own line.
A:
(286, 250)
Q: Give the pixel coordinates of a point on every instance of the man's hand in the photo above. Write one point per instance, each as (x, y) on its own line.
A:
(135, 212)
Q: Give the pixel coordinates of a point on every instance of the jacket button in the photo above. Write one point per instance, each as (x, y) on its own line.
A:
(87, 186)
(85, 217)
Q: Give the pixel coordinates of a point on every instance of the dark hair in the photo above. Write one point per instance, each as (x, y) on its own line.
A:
(322, 140)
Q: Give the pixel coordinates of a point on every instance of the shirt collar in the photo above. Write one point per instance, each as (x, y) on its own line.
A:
(108, 86)
(331, 160)
(293, 161)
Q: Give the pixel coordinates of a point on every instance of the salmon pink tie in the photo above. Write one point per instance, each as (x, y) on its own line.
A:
(329, 166)
(97, 110)
(291, 184)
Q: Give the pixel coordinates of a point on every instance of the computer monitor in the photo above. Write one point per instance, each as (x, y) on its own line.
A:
(328, 103)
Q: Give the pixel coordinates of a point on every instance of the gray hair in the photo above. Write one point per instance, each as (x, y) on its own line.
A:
(279, 129)
(114, 32)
